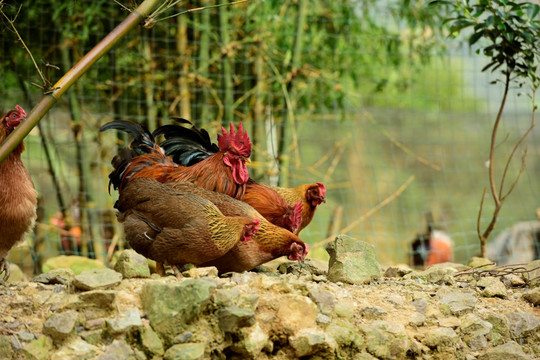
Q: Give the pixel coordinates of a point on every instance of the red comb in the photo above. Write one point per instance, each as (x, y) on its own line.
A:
(20, 110)
(322, 188)
(237, 141)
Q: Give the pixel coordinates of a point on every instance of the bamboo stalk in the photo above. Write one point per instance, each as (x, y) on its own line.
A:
(226, 66)
(204, 54)
(151, 112)
(288, 124)
(51, 97)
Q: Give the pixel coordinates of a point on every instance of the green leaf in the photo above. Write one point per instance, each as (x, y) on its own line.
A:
(532, 10)
(475, 37)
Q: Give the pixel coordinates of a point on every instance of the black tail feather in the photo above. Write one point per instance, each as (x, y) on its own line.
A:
(186, 146)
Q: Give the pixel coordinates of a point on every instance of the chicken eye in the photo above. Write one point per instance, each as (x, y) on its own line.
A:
(13, 116)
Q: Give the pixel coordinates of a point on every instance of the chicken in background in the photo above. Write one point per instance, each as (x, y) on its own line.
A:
(188, 146)
(309, 196)
(431, 247)
(18, 197)
(269, 243)
(176, 227)
(223, 171)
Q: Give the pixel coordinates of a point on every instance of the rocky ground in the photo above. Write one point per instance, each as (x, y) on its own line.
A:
(348, 309)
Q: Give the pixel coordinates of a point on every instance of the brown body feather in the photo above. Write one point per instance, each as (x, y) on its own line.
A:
(269, 243)
(176, 227)
(18, 201)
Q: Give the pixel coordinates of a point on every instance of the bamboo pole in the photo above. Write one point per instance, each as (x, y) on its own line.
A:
(51, 97)
(226, 65)
(181, 48)
(204, 55)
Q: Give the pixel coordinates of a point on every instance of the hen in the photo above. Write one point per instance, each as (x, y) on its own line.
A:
(269, 243)
(309, 195)
(190, 146)
(18, 198)
(431, 247)
(223, 171)
(176, 226)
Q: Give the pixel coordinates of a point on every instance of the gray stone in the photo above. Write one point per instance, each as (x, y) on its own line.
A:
(310, 266)
(472, 326)
(373, 312)
(324, 299)
(509, 351)
(441, 338)
(182, 337)
(457, 303)
(397, 271)
(417, 319)
(26, 336)
(189, 351)
(312, 341)
(344, 309)
(99, 298)
(420, 305)
(48, 278)
(132, 265)
(125, 322)
(97, 279)
(480, 263)
(226, 297)
(534, 273)
(287, 313)
(77, 349)
(533, 296)
(169, 306)
(513, 280)
(520, 323)
(232, 318)
(345, 335)
(5, 346)
(254, 340)
(323, 319)
(352, 261)
(119, 349)
(386, 340)
(492, 287)
(151, 342)
(477, 343)
(77, 264)
(61, 326)
(500, 333)
(39, 349)
(92, 337)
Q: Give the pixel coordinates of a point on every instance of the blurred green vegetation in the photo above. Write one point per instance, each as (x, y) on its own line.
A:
(369, 95)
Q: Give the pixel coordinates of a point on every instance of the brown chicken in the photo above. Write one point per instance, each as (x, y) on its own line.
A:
(224, 171)
(18, 197)
(177, 227)
(192, 146)
(269, 243)
(309, 195)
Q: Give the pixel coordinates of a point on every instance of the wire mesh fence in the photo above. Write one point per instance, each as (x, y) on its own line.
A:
(363, 97)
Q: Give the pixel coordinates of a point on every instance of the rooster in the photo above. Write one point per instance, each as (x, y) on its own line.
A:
(18, 197)
(431, 247)
(176, 226)
(309, 196)
(223, 171)
(269, 243)
(191, 146)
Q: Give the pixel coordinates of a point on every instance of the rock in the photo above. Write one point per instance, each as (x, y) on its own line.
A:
(197, 273)
(533, 296)
(125, 322)
(500, 333)
(520, 323)
(189, 351)
(324, 299)
(352, 261)
(472, 326)
(126, 300)
(254, 340)
(77, 264)
(98, 298)
(16, 275)
(344, 309)
(373, 312)
(450, 321)
(477, 343)
(119, 349)
(457, 303)
(420, 305)
(534, 273)
(25, 336)
(417, 319)
(440, 274)
(170, 306)
(492, 287)
(312, 341)
(480, 263)
(345, 335)
(226, 296)
(92, 337)
(509, 351)
(513, 280)
(310, 266)
(232, 318)
(5, 346)
(441, 338)
(151, 342)
(132, 265)
(323, 319)
(386, 340)
(39, 349)
(61, 326)
(182, 337)
(97, 279)
(287, 313)
(77, 349)
(48, 278)
(397, 271)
